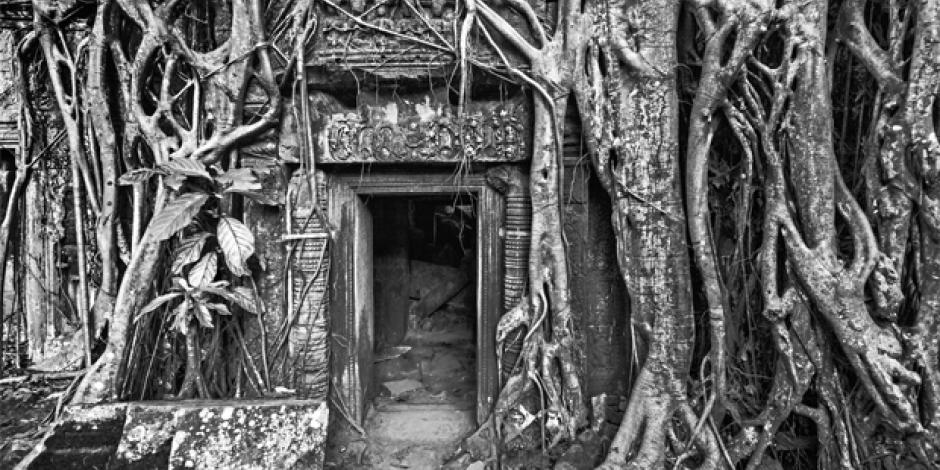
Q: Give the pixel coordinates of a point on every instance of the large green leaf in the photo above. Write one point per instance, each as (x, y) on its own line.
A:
(185, 167)
(221, 309)
(188, 252)
(237, 243)
(175, 215)
(203, 272)
(203, 315)
(243, 297)
(136, 176)
(160, 301)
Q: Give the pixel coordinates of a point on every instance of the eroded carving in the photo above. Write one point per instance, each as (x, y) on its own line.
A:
(393, 39)
(488, 134)
(346, 43)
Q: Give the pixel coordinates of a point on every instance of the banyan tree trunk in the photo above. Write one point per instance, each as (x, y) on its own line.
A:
(649, 223)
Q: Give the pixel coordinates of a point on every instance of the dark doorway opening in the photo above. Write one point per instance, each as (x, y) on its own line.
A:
(425, 300)
(392, 228)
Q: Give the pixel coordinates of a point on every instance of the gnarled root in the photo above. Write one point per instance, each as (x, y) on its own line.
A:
(873, 352)
(104, 379)
(641, 440)
(647, 428)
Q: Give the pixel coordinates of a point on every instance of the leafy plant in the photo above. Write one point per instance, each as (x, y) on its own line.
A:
(202, 285)
(195, 270)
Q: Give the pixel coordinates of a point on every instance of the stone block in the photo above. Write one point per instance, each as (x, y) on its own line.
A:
(146, 438)
(403, 367)
(250, 437)
(188, 434)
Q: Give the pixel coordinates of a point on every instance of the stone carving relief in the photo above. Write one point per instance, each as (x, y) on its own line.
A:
(346, 43)
(390, 38)
(425, 133)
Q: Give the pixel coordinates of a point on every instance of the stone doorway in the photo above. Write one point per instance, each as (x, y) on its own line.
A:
(414, 303)
(363, 335)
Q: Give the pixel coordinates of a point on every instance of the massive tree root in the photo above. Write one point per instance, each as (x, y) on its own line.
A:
(178, 103)
(741, 25)
(632, 106)
(550, 366)
(787, 108)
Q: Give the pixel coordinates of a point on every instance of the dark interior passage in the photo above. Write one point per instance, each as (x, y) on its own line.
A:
(424, 251)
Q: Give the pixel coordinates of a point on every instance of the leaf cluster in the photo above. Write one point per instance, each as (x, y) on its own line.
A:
(199, 287)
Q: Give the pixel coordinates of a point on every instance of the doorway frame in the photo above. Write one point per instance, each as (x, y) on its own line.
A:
(489, 263)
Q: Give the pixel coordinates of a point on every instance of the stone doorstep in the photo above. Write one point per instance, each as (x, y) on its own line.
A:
(231, 434)
(427, 424)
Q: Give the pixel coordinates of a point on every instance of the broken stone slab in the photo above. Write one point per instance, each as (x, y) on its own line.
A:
(434, 285)
(251, 437)
(146, 437)
(231, 434)
(399, 368)
(84, 437)
(446, 326)
(466, 298)
(442, 365)
(392, 352)
(398, 388)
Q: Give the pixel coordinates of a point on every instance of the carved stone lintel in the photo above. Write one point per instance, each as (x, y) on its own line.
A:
(425, 132)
